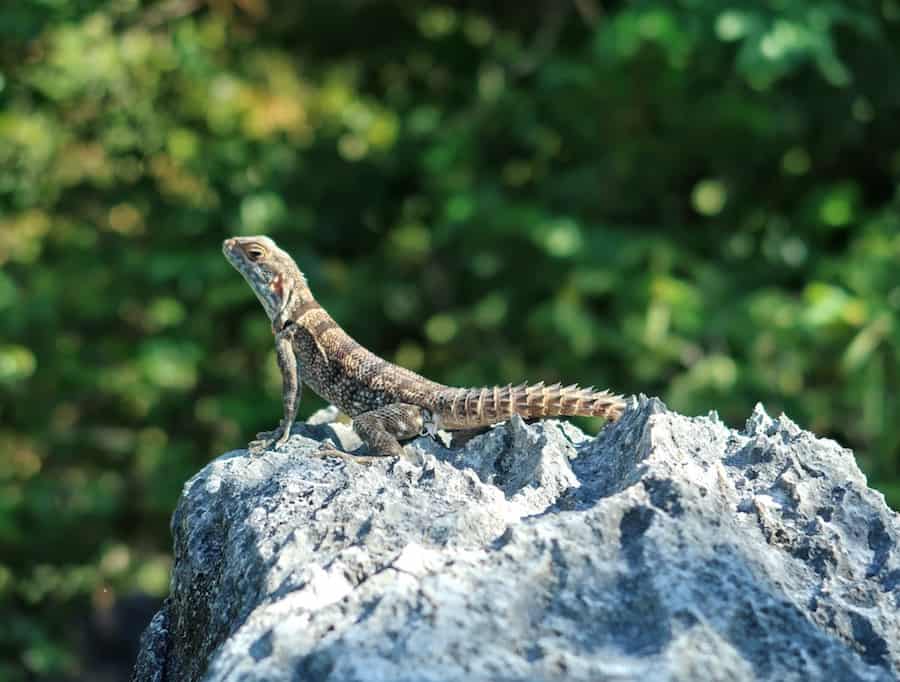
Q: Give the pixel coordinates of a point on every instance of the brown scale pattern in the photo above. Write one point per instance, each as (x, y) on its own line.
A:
(356, 380)
(476, 407)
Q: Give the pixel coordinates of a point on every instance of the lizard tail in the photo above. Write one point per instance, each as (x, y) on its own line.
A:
(476, 407)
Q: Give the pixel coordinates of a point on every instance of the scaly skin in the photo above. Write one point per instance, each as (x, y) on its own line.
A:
(387, 403)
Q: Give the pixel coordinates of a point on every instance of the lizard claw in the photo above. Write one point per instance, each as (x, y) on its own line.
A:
(327, 449)
(256, 447)
(282, 439)
(266, 440)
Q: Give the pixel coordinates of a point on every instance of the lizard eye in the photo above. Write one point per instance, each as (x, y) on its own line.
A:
(254, 253)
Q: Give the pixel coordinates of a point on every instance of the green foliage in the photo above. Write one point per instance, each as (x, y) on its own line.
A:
(677, 198)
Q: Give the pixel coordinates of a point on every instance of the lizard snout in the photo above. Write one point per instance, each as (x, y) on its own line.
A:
(231, 251)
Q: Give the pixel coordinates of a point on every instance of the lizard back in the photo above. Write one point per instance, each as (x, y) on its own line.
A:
(341, 370)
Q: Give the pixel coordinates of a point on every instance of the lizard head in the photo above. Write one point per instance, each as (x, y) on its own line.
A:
(270, 272)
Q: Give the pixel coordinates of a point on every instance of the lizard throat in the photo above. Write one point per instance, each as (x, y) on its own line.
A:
(276, 286)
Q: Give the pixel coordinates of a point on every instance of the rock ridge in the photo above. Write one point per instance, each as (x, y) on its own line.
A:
(666, 548)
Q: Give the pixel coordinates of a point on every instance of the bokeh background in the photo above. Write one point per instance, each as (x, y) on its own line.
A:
(692, 198)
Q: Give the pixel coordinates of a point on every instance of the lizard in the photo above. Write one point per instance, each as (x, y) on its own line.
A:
(386, 403)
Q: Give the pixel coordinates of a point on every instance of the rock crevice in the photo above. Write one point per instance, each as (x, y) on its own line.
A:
(666, 548)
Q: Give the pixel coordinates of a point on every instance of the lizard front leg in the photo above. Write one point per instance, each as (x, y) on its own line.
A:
(291, 391)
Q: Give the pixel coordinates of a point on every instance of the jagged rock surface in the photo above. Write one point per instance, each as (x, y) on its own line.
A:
(667, 548)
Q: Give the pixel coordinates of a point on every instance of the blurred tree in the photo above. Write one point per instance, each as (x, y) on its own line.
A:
(677, 198)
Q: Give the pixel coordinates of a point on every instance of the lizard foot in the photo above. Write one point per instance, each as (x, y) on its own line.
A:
(282, 439)
(266, 440)
(258, 446)
(326, 449)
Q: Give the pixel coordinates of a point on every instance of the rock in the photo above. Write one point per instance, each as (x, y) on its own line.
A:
(666, 548)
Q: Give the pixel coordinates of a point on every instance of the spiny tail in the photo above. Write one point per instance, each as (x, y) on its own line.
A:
(475, 407)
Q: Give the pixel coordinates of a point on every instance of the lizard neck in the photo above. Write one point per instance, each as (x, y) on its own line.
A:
(295, 295)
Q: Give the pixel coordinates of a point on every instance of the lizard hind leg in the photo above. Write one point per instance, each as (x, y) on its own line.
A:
(383, 428)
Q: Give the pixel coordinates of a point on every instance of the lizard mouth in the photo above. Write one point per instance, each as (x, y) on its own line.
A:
(231, 251)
